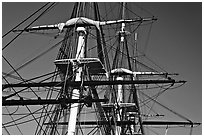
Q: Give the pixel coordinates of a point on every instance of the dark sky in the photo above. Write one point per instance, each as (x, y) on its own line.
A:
(175, 44)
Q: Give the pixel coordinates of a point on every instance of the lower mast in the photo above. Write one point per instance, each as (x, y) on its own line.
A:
(75, 93)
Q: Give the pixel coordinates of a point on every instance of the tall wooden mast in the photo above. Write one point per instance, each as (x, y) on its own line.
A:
(76, 92)
(82, 76)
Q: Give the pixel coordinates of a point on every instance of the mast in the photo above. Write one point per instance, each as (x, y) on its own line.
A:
(119, 101)
(76, 92)
(123, 41)
(84, 78)
(120, 93)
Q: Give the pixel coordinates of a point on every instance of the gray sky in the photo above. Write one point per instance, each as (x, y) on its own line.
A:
(175, 44)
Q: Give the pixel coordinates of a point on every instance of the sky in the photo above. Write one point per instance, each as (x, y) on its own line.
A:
(175, 44)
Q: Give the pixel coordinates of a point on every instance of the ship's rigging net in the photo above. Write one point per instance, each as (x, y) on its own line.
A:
(107, 103)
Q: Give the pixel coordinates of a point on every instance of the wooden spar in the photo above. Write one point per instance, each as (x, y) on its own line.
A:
(90, 83)
(145, 123)
(161, 123)
(119, 100)
(74, 106)
(61, 101)
(82, 22)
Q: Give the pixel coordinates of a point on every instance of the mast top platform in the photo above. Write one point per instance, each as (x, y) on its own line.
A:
(94, 65)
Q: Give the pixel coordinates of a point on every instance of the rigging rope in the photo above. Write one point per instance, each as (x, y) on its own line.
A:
(18, 74)
(29, 114)
(132, 58)
(156, 95)
(14, 122)
(27, 26)
(181, 116)
(25, 20)
(129, 10)
(144, 10)
(23, 89)
(26, 115)
(27, 80)
(6, 130)
(30, 61)
(148, 37)
(56, 106)
(154, 63)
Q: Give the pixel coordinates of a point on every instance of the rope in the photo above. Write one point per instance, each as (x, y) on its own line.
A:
(14, 121)
(17, 73)
(129, 10)
(30, 61)
(16, 93)
(25, 19)
(27, 27)
(148, 37)
(181, 116)
(6, 130)
(22, 89)
(26, 115)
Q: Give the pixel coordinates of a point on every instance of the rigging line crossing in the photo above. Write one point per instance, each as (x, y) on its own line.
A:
(111, 47)
(23, 89)
(167, 108)
(128, 9)
(28, 80)
(151, 110)
(24, 121)
(53, 116)
(17, 73)
(98, 117)
(48, 116)
(26, 115)
(154, 63)
(107, 12)
(104, 49)
(66, 78)
(20, 114)
(56, 126)
(13, 113)
(27, 27)
(16, 93)
(54, 72)
(79, 117)
(14, 122)
(147, 44)
(6, 130)
(25, 19)
(45, 107)
(38, 56)
(12, 76)
(65, 122)
(145, 102)
(31, 115)
(145, 10)
(130, 57)
(96, 127)
(156, 96)
(52, 89)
